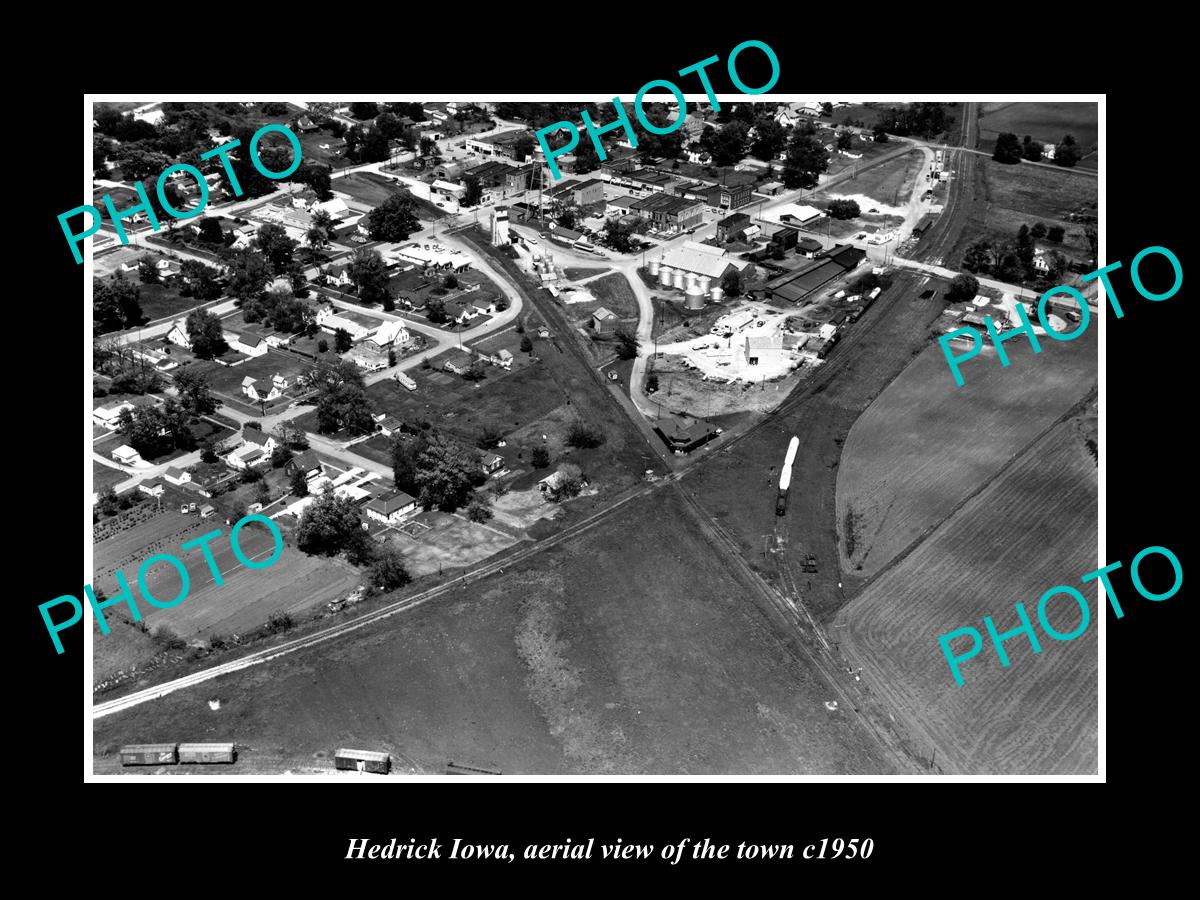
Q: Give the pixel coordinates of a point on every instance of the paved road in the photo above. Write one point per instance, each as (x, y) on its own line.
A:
(1025, 162)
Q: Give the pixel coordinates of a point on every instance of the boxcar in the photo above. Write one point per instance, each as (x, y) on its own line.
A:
(149, 755)
(206, 753)
(363, 761)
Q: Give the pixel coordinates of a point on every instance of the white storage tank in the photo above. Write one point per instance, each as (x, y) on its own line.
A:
(695, 297)
(654, 264)
(677, 278)
(705, 281)
(664, 276)
(717, 293)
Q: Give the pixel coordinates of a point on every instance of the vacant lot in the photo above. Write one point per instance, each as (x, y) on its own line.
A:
(451, 542)
(103, 476)
(1045, 122)
(1032, 528)
(368, 187)
(629, 650)
(925, 445)
(890, 183)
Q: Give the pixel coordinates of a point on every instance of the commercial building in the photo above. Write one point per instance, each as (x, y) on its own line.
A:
(703, 260)
(799, 283)
(730, 227)
(501, 145)
(391, 508)
(669, 212)
(581, 193)
(683, 433)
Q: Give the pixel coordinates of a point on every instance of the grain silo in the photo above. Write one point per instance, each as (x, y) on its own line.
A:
(664, 276)
(717, 294)
(654, 264)
(677, 279)
(705, 281)
(695, 297)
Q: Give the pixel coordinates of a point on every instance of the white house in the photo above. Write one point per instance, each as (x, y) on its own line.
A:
(1047, 151)
(127, 456)
(390, 509)
(252, 389)
(1040, 263)
(107, 416)
(492, 463)
(177, 476)
(178, 334)
(154, 488)
(279, 381)
(256, 437)
(389, 334)
(246, 456)
(249, 344)
(328, 318)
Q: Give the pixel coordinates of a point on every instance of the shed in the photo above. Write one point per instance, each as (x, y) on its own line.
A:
(604, 321)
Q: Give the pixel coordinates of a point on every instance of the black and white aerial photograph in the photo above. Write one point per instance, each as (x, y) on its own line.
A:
(456, 438)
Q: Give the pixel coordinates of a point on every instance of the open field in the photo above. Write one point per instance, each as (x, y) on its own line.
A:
(169, 528)
(227, 380)
(998, 199)
(1030, 529)
(368, 187)
(578, 273)
(629, 650)
(293, 583)
(1045, 122)
(925, 445)
(890, 183)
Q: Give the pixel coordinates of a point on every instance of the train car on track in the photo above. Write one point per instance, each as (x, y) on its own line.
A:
(363, 761)
(207, 753)
(149, 755)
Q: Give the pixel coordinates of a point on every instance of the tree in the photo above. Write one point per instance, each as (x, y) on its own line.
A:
(369, 273)
(1008, 148)
(570, 483)
(806, 159)
(208, 453)
(115, 304)
(319, 178)
(1056, 264)
(298, 485)
(769, 138)
(211, 231)
(978, 257)
(153, 431)
(388, 571)
(474, 190)
(1025, 248)
(375, 147)
(728, 145)
(477, 371)
(1055, 234)
(618, 235)
(262, 492)
(342, 399)
(583, 436)
(275, 245)
(539, 457)
(249, 272)
(447, 473)
(428, 147)
(652, 382)
(880, 134)
(963, 287)
(364, 110)
(844, 209)
(435, 311)
(478, 510)
(827, 108)
(280, 456)
(391, 357)
(394, 219)
(1031, 149)
(731, 283)
(526, 344)
(489, 437)
(147, 273)
(586, 158)
(568, 216)
(290, 435)
(342, 341)
(1067, 153)
(627, 345)
(322, 346)
(1038, 231)
(205, 333)
(330, 525)
(200, 281)
(194, 393)
(845, 140)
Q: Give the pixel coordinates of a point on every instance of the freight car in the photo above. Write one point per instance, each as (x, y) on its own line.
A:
(149, 755)
(207, 753)
(363, 761)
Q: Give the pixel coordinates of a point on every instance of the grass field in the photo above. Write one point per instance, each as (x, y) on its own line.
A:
(890, 183)
(168, 529)
(293, 583)
(629, 650)
(575, 273)
(451, 542)
(1045, 122)
(1002, 198)
(368, 187)
(103, 476)
(924, 445)
(505, 401)
(1032, 528)
(227, 380)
